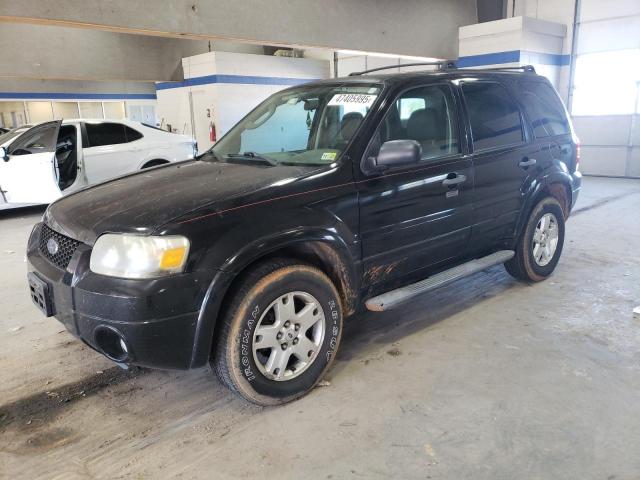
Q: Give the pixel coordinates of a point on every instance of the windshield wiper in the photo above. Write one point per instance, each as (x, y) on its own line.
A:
(252, 157)
(208, 153)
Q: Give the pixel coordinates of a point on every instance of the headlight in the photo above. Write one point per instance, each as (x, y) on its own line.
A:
(136, 256)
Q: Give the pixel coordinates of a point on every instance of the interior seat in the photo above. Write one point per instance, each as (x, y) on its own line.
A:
(423, 126)
(348, 126)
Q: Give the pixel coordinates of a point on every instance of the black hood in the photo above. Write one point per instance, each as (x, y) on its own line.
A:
(143, 202)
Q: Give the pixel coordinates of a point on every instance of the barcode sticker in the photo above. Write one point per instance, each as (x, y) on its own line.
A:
(352, 99)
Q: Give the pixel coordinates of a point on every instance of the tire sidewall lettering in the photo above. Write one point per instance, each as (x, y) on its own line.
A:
(245, 344)
(332, 328)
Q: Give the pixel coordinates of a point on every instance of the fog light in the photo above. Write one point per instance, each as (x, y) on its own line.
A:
(111, 343)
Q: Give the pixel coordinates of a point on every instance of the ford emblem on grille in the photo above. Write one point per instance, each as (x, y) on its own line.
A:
(52, 246)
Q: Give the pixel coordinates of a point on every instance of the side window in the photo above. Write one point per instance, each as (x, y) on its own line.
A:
(544, 109)
(105, 134)
(37, 140)
(132, 134)
(426, 115)
(494, 116)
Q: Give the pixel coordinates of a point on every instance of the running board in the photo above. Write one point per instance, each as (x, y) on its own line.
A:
(389, 300)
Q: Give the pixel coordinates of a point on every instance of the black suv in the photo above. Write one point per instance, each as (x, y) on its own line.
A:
(359, 191)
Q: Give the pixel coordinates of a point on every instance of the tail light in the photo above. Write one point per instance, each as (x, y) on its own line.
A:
(577, 155)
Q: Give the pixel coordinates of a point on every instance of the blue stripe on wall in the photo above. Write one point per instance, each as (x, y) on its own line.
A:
(77, 96)
(234, 79)
(544, 58)
(513, 56)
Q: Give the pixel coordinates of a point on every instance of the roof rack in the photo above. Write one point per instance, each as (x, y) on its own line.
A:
(524, 68)
(444, 64)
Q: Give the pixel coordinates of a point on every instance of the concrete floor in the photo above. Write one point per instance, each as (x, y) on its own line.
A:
(486, 379)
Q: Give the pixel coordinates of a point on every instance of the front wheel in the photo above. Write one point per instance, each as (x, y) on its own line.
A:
(539, 247)
(279, 334)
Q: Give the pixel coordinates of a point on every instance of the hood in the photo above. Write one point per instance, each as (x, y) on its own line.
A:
(144, 201)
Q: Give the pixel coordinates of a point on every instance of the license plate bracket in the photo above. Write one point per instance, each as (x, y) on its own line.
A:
(40, 294)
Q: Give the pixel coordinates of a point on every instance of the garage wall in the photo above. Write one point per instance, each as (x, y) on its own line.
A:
(607, 86)
(26, 100)
(51, 52)
(410, 27)
(221, 87)
(604, 91)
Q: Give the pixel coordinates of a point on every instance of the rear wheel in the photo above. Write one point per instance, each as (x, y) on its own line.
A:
(539, 247)
(279, 334)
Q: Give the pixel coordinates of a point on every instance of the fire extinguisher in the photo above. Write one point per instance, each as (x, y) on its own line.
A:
(212, 132)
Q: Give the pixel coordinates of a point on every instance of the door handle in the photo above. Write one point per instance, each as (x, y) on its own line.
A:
(527, 162)
(455, 179)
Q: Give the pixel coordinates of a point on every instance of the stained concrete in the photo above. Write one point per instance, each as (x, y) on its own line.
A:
(486, 379)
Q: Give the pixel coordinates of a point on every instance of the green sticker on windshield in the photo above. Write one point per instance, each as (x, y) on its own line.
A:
(328, 156)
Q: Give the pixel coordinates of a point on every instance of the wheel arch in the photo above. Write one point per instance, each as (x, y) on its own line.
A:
(556, 185)
(153, 163)
(320, 248)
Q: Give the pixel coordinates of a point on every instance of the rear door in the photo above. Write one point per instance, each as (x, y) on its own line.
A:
(549, 122)
(413, 218)
(28, 174)
(110, 150)
(504, 161)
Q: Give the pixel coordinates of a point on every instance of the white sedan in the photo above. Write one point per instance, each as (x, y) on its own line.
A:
(52, 159)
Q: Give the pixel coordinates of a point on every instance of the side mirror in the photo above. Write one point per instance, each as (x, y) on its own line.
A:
(4, 154)
(395, 153)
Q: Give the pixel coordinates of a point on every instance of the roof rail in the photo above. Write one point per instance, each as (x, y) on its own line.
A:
(443, 64)
(524, 68)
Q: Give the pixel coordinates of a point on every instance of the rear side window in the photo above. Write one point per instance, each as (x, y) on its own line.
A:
(544, 109)
(110, 134)
(494, 116)
(100, 134)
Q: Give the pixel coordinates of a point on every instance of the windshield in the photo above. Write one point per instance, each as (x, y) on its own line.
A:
(308, 125)
(11, 134)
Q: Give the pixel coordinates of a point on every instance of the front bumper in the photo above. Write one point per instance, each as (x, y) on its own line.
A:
(156, 319)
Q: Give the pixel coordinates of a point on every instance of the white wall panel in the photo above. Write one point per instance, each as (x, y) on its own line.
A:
(605, 130)
(604, 160)
(633, 167)
(349, 64)
(173, 109)
(490, 43)
(601, 9)
(616, 34)
(39, 111)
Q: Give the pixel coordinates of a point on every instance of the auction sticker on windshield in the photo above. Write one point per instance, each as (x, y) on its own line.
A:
(352, 99)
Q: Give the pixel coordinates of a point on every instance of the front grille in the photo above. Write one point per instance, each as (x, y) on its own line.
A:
(66, 247)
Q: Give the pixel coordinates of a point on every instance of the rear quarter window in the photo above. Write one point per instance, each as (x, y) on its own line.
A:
(132, 134)
(544, 109)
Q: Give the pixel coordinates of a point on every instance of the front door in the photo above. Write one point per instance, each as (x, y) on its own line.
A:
(28, 174)
(413, 218)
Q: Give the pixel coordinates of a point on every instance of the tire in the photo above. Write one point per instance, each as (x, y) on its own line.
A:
(535, 267)
(269, 300)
